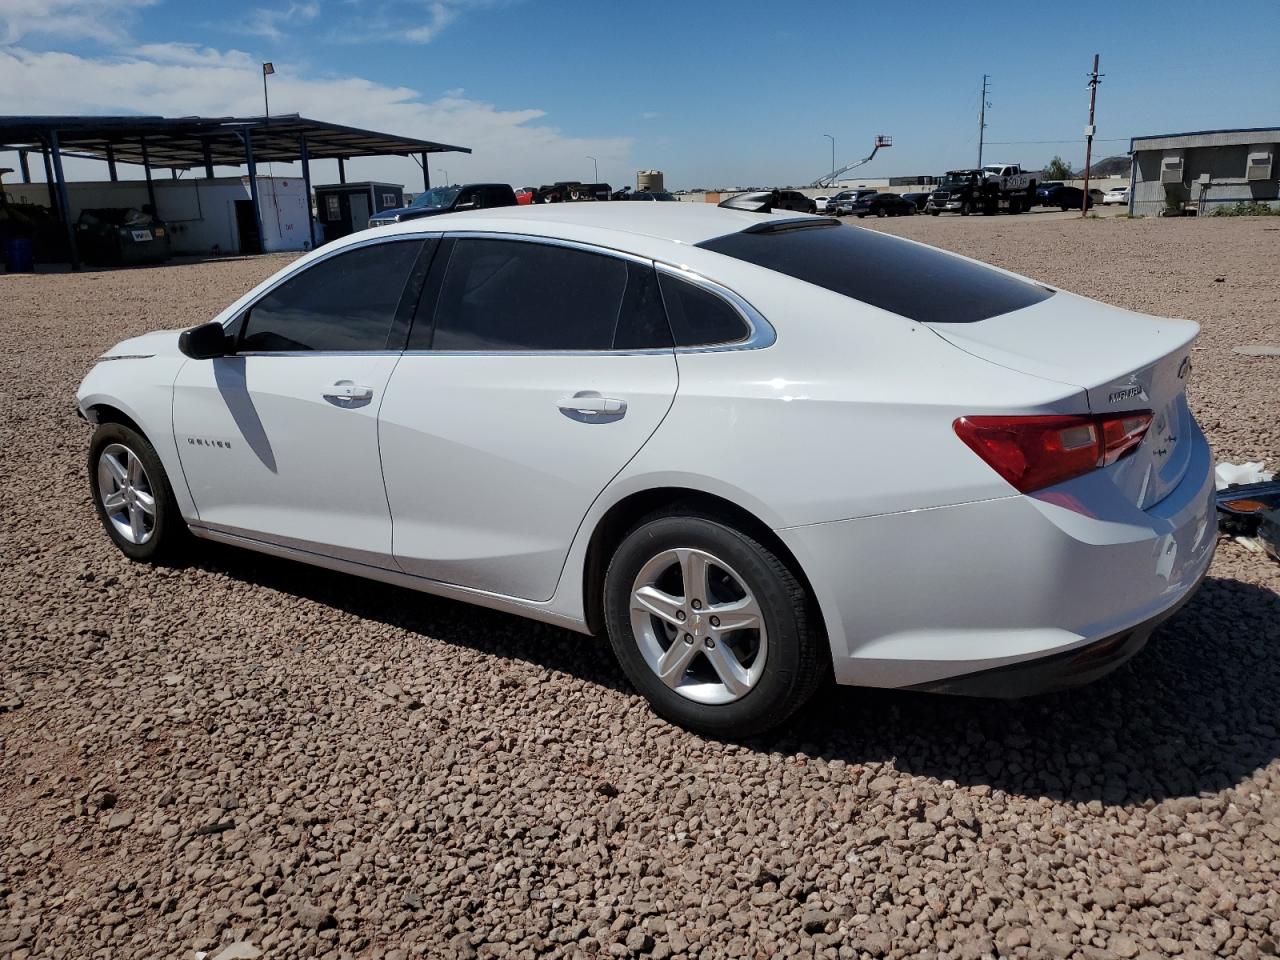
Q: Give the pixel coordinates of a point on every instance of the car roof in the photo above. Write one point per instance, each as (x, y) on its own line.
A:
(680, 222)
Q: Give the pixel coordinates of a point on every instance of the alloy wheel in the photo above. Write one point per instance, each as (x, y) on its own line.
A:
(699, 627)
(127, 496)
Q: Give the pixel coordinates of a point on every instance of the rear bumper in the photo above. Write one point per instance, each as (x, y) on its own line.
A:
(1069, 581)
(1058, 671)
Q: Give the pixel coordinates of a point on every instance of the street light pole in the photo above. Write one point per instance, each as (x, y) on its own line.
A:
(268, 68)
(446, 175)
(833, 156)
(595, 168)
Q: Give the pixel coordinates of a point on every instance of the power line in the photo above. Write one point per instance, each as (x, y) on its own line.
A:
(1006, 143)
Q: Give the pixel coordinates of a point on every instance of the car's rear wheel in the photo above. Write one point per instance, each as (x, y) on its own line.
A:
(711, 626)
(132, 495)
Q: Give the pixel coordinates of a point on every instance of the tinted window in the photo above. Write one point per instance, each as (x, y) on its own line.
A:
(515, 295)
(698, 317)
(347, 302)
(914, 281)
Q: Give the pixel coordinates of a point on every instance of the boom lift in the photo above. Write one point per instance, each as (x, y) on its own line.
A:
(829, 179)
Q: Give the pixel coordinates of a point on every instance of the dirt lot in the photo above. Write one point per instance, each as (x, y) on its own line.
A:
(246, 749)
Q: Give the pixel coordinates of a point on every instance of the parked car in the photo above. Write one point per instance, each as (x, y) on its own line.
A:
(122, 236)
(1065, 198)
(574, 191)
(770, 200)
(526, 196)
(842, 203)
(919, 199)
(500, 407)
(438, 200)
(1042, 191)
(883, 205)
(820, 204)
(795, 200)
(660, 195)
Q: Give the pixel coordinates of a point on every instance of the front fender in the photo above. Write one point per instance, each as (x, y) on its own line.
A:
(141, 389)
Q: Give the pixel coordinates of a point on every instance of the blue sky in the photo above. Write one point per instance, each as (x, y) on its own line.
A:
(713, 93)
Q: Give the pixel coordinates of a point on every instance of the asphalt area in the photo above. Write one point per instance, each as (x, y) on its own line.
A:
(244, 750)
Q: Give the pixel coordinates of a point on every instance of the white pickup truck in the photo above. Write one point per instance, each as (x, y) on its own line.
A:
(1009, 177)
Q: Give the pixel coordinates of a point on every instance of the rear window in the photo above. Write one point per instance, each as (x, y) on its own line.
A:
(915, 282)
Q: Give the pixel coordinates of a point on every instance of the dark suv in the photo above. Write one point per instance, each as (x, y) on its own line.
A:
(471, 196)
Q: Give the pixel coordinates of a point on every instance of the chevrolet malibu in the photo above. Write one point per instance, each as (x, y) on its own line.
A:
(754, 450)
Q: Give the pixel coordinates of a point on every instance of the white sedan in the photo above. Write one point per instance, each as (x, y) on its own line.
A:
(1115, 195)
(755, 450)
(821, 203)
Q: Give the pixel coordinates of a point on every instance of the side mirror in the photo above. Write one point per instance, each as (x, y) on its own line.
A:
(204, 342)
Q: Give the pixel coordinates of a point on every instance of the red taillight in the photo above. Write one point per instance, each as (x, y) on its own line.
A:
(1036, 452)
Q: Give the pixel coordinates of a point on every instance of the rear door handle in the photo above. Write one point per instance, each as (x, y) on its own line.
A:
(347, 393)
(588, 405)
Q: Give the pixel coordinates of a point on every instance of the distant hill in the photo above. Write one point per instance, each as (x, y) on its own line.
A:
(1110, 167)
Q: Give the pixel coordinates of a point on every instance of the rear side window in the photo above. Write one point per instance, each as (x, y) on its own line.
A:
(512, 295)
(698, 317)
(913, 281)
(345, 303)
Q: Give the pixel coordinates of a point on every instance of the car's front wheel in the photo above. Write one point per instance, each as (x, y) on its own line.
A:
(132, 496)
(711, 626)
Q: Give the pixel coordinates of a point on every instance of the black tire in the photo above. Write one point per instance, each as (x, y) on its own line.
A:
(798, 660)
(168, 537)
(862, 216)
(882, 212)
(934, 213)
(964, 209)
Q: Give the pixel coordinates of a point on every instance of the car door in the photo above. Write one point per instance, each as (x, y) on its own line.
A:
(534, 372)
(279, 441)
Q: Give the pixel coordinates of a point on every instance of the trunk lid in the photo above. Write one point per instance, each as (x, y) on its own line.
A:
(1121, 360)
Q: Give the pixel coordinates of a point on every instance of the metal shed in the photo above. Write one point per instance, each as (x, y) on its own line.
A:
(185, 143)
(344, 208)
(1176, 173)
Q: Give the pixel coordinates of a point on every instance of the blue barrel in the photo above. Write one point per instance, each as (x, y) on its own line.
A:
(19, 255)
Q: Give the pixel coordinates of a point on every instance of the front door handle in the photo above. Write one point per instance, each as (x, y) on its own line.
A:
(347, 393)
(588, 406)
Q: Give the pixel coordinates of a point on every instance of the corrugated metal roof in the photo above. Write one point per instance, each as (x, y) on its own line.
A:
(181, 142)
(1206, 138)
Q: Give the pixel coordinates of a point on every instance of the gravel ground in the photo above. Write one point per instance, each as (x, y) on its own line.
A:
(246, 751)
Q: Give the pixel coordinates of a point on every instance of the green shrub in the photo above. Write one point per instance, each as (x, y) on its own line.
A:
(1248, 208)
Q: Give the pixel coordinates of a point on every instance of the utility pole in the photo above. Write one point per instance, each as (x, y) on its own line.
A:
(982, 119)
(1094, 80)
(833, 157)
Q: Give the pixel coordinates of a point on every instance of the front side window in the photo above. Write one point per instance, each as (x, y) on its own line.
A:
(514, 295)
(345, 303)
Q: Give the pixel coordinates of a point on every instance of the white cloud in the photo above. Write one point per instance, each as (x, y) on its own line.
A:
(101, 20)
(650, 115)
(175, 79)
(439, 16)
(267, 21)
(405, 21)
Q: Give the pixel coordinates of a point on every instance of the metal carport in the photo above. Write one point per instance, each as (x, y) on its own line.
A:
(184, 143)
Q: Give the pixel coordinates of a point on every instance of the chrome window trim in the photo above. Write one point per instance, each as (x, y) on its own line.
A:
(548, 241)
(760, 333)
